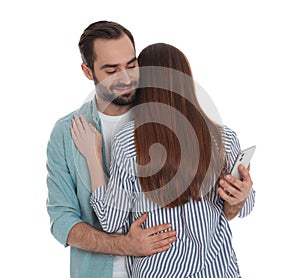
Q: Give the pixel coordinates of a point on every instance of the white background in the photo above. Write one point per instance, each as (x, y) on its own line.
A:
(245, 54)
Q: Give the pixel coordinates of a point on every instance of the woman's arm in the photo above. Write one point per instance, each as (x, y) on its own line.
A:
(238, 195)
(112, 202)
(88, 141)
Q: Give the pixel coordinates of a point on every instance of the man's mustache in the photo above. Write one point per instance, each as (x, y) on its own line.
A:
(132, 84)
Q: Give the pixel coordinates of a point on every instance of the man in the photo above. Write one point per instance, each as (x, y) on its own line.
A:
(106, 48)
(109, 59)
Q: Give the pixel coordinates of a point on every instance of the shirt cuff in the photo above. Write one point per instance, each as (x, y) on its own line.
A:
(249, 204)
(62, 227)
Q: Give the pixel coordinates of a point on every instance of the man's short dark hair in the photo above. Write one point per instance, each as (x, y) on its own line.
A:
(100, 29)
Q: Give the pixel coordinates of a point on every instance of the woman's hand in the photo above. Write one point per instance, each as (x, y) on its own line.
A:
(87, 138)
(88, 141)
(235, 192)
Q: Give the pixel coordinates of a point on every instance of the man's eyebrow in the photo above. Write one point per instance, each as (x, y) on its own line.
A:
(115, 65)
(132, 60)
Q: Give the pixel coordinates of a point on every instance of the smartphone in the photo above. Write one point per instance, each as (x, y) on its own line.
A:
(243, 158)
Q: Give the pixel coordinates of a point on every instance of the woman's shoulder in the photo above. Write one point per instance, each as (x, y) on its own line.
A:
(229, 138)
(124, 139)
(126, 132)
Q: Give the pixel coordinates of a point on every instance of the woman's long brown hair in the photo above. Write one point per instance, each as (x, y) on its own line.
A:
(167, 112)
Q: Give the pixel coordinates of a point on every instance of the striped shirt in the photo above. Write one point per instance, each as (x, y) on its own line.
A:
(204, 242)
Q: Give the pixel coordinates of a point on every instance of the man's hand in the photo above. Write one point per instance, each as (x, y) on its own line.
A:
(146, 242)
(234, 192)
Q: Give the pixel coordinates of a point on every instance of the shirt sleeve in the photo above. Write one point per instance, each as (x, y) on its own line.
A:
(249, 204)
(232, 150)
(113, 203)
(62, 203)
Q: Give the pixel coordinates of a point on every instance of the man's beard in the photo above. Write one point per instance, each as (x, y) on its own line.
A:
(109, 96)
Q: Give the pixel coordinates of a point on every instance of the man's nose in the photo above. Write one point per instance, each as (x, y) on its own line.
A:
(124, 77)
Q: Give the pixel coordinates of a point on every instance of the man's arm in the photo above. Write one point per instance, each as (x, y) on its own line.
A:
(67, 225)
(138, 241)
(236, 193)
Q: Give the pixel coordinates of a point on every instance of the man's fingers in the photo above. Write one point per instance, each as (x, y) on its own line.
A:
(161, 242)
(153, 230)
(164, 238)
(140, 220)
(160, 249)
(158, 229)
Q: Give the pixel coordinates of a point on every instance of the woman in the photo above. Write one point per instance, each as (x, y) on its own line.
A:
(166, 164)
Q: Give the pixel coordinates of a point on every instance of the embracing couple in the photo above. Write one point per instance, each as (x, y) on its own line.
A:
(138, 181)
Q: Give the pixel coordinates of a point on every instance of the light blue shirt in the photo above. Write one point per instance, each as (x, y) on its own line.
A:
(69, 193)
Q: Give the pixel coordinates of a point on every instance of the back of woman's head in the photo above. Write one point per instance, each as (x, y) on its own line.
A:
(165, 67)
(168, 114)
(164, 55)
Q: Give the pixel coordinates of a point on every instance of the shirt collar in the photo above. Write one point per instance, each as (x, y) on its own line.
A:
(95, 114)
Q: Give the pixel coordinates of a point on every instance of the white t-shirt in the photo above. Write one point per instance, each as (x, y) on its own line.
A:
(110, 126)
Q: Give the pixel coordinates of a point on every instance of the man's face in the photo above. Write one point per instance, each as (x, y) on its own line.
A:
(115, 70)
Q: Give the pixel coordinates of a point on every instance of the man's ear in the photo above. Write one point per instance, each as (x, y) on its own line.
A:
(87, 71)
